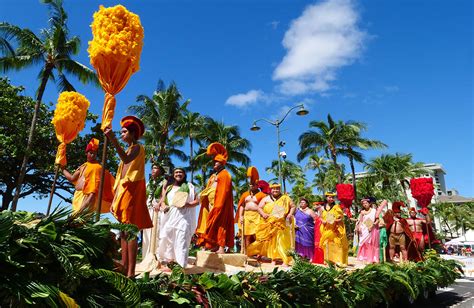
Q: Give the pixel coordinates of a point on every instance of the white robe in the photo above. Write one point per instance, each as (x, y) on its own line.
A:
(176, 234)
(146, 233)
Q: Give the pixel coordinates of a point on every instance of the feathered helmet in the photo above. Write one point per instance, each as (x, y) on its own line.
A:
(252, 174)
(396, 206)
(93, 145)
(134, 124)
(218, 152)
(412, 209)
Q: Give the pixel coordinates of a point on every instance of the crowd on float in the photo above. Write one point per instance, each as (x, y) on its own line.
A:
(269, 223)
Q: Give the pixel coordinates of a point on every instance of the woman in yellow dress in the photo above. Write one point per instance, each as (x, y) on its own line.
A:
(333, 232)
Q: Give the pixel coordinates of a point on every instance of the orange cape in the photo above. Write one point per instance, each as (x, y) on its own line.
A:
(219, 225)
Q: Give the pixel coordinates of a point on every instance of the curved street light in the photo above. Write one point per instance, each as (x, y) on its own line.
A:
(301, 112)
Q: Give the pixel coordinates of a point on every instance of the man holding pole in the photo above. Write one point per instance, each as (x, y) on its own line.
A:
(129, 204)
(86, 180)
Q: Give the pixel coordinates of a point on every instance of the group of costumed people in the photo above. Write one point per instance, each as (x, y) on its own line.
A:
(381, 233)
(269, 223)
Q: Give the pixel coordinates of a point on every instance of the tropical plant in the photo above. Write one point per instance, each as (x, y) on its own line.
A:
(21, 48)
(330, 137)
(454, 217)
(327, 177)
(239, 182)
(160, 114)
(290, 172)
(229, 137)
(61, 260)
(302, 189)
(393, 172)
(188, 126)
(354, 143)
(13, 135)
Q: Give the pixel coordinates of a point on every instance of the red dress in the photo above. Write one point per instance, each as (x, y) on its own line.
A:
(318, 256)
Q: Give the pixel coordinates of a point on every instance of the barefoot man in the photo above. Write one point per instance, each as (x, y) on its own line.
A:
(216, 217)
(129, 204)
(247, 215)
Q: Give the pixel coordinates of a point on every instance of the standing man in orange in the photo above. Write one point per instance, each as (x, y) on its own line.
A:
(86, 180)
(216, 218)
(129, 205)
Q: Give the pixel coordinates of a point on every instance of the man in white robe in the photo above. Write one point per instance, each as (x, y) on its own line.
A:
(176, 234)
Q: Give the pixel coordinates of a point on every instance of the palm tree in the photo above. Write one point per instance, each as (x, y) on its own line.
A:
(393, 172)
(290, 172)
(160, 114)
(327, 177)
(330, 137)
(355, 142)
(239, 182)
(229, 137)
(189, 125)
(21, 48)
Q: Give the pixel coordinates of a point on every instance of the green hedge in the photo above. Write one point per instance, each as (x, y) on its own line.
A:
(63, 260)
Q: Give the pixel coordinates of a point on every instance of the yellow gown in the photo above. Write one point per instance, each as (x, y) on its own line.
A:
(274, 235)
(333, 236)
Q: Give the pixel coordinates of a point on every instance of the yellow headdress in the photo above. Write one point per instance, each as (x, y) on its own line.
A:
(330, 194)
(275, 185)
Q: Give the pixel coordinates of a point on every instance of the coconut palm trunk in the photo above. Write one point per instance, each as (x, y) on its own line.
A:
(29, 145)
(354, 183)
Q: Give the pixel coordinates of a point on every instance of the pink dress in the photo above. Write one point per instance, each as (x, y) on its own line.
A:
(368, 239)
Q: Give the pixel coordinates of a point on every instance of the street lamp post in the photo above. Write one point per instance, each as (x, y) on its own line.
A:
(277, 123)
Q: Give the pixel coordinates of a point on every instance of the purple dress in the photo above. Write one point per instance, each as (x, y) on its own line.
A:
(304, 240)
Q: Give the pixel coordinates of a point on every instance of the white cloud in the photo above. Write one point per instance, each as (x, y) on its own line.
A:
(243, 100)
(323, 39)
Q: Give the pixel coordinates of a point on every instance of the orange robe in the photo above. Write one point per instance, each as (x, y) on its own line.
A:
(129, 205)
(251, 217)
(88, 183)
(216, 216)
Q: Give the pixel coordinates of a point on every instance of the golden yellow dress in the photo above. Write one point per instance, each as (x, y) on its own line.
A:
(129, 204)
(333, 236)
(275, 235)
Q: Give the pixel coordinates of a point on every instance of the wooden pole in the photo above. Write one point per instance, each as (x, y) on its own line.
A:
(102, 179)
(243, 246)
(53, 188)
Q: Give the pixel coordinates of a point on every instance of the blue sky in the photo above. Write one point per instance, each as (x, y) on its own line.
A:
(403, 67)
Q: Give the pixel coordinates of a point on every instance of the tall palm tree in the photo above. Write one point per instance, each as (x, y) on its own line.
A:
(326, 177)
(330, 137)
(290, 172)
(239, 182)
(189, 124)
(52, 49)
(354, 142)
(229, 137)
(160, 114)
(393, 172)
